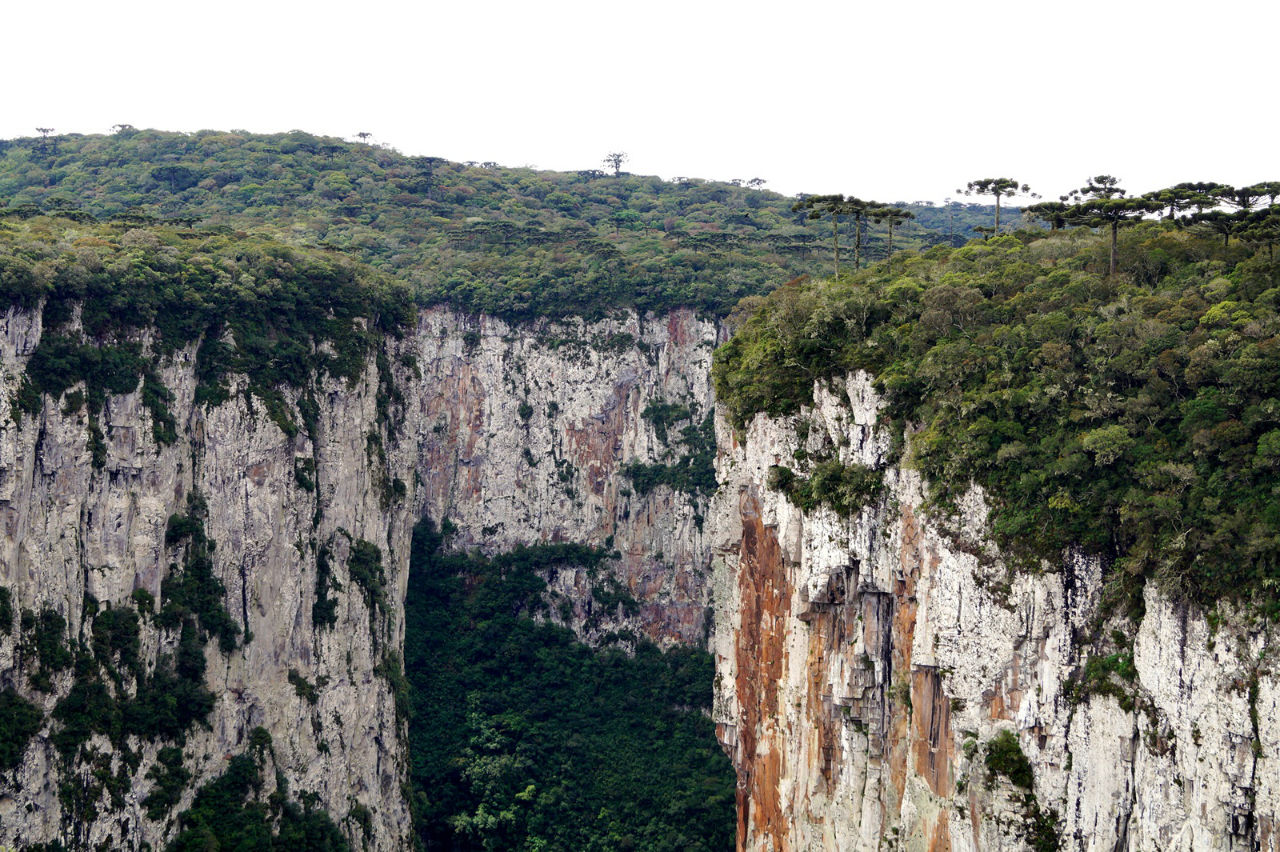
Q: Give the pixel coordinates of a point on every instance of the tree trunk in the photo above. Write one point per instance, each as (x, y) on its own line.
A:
(997, 231)
(1115, 230)
(835, 240)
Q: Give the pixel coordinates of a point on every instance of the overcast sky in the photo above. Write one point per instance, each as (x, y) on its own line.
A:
(885, 100)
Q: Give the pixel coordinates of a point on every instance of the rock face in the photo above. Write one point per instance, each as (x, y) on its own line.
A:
(868, 665)
(515, 435)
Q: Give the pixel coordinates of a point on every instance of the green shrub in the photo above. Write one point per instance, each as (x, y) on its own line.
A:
(843, 488)
(1004, 757)
(20, 720)
(324, 612)
(171, 779)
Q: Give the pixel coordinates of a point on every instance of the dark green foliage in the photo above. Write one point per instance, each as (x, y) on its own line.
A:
(44, 641)
(228, 813)
(157, 398)
(115, 638)
(393, 671)
(612, 596)
(304, 473)
(663, 415)
(1004, 757)
(521, 736)
(324, 612)
(304, 688)
(1132, 416)
(693, 472)
(275, 306)
(87, 709)
(845, 488)
(6, 611)
(194, 590)
(20, 720)
(60, 362)
(364, 565)
(363, 817)
(172, 697)
(170, 778)
(1096, 678)
(144, 601)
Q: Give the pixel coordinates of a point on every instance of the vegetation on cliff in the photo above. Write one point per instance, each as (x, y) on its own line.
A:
(116, 298)
(522, 737)
(1134, 415)
(231, 812)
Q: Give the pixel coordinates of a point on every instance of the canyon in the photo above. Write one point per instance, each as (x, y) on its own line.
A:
(868, 667)
(516, 436)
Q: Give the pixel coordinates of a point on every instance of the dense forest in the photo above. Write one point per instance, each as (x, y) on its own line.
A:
(511, 242)
(1131, 414)
(522, 737)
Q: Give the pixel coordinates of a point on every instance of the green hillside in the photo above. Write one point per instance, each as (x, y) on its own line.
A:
(511, 242)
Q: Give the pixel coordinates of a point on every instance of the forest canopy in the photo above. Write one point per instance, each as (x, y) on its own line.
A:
(1135, 416)
(511, 242)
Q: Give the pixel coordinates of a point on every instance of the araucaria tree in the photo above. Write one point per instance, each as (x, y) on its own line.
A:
(614, 160)
(1101, 202)
(999, 188)
(893, 217)
(834, 206)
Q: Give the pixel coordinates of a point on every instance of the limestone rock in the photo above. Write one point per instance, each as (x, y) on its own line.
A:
(865, 664)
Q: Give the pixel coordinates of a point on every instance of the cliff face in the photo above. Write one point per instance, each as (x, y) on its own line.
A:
(521, 437)
(868, 665)
(517, 436)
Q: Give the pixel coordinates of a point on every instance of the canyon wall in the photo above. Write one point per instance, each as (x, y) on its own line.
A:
(517, 436)
(884, 682)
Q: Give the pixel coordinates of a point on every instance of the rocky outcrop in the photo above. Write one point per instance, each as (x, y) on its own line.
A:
(515, 435)
(868, 665)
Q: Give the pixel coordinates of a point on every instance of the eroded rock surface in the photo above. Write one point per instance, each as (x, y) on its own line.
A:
(866, 664)
(517, 436)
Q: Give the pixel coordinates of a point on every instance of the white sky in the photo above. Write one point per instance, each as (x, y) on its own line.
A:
(886, 100)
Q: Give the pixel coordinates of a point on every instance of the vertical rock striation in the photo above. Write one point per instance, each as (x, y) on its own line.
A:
(867, 666)
(517, 435)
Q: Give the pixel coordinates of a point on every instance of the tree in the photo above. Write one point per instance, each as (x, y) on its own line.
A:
(1243, 198)
(364, 135)
(1184, 196)
(834, 206)
(999, 188)
(178, 178)
(614, 160)
(1219, 221)
(1269, 189)
(1053, 212)
(1101, 202)
(893, 217)
(1262, 227)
